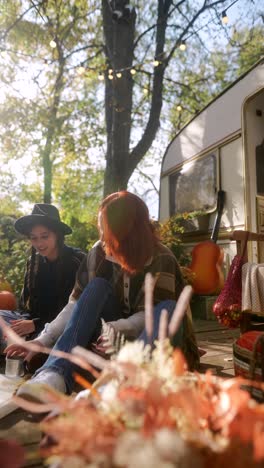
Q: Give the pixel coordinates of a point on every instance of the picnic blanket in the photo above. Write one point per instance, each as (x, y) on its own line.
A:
(253, 288)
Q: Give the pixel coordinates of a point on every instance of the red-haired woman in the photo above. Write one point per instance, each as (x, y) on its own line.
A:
(110, 285)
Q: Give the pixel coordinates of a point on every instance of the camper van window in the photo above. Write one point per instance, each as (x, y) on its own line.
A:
(194, 186)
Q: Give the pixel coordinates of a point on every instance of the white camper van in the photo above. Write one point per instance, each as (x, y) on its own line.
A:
(222, 148)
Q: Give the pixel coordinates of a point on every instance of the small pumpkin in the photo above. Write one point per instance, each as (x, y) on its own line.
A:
(7, 300)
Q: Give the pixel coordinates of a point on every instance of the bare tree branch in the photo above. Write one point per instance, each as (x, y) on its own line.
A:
(149, 178)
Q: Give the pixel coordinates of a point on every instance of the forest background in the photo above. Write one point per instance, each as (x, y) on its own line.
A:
(91, 92)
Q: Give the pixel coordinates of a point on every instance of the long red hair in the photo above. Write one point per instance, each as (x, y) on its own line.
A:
(126, 230)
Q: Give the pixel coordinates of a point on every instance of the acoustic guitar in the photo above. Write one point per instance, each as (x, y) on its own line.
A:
(207, 258)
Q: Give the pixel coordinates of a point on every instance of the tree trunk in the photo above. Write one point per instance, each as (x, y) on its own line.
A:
(47, 167)
(52, 130)
(119, 41)
(119, 50)
(120, 46)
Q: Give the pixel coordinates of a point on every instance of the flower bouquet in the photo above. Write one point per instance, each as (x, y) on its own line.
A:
(146, 410)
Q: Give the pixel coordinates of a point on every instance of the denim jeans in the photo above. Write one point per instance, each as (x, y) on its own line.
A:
(97, 301)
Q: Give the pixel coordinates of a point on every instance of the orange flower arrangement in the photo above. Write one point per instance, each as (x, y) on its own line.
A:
(147, 410)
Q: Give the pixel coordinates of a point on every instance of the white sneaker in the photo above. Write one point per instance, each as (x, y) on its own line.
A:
(36, 389)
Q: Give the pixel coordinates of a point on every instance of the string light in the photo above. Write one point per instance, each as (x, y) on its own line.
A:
(80, 70)
(118, 74)
(225, 18)
(52, 44)
(182, 46)
(179, 108)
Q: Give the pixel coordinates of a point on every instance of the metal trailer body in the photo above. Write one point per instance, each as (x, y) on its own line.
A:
(220, 148)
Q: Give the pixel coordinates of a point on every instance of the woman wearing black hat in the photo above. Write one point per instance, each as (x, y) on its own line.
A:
(50, 271)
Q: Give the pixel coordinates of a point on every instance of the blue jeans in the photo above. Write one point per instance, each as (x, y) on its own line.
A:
(9, 315)
(97, 301)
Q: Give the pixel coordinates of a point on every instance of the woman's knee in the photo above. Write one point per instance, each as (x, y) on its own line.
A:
(96, 287)
(96, 293)
(168, 305)
(98, 284)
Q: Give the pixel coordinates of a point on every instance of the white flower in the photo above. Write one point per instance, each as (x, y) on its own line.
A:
(134, 352)
(109, 391)
(132, 450)
(170, 446)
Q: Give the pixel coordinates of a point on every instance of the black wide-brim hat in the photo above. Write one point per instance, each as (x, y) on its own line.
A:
(45, 214)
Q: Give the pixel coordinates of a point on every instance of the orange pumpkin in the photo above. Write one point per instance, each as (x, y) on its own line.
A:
(7, 300)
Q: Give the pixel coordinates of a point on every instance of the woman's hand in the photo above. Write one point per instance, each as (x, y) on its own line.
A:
(22, 327)
(104, 345)
(15, 350)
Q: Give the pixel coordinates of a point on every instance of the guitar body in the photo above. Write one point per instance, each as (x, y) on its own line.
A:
(207, 258)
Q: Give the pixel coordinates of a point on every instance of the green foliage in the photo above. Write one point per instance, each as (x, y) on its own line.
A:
(52, 120)
(13, 254)
(252, 48)
(171, 231)
(203, 76)
(59, 114)
(56, 121)
(84, 234)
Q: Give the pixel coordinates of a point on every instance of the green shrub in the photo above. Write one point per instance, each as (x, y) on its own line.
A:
(14, 251)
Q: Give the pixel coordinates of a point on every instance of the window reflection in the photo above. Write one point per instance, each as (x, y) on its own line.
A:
(194, 186)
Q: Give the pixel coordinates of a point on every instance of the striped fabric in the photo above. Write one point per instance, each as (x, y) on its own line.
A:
(248, 351)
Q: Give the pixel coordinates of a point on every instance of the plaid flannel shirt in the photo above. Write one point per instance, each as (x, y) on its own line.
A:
(130, 290)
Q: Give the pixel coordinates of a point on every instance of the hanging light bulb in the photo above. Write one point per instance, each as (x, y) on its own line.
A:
(224, 17)
(182, 46)
(110, 71)
(52, 44)
(81, 70)
(145, 90)
(156, 63)
(119, 75)
(110, 77)
(133, 71)
(179, 108)
(100, 77)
